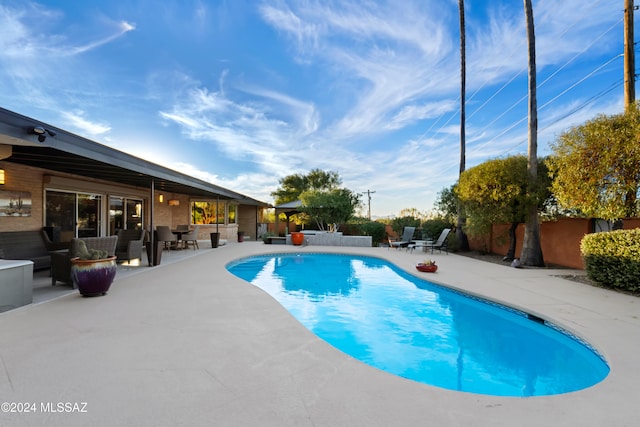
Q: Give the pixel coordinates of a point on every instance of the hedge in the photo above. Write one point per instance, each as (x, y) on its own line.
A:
(613, 258)
(374, 229)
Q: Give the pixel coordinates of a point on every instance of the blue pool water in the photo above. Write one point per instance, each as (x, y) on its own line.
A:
(379, 314)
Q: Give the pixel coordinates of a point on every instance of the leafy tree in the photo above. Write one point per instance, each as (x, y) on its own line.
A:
(292, 186)
(496, 192)
(329, 209)
(413, 213)
(398, 224)
(596, 166)
(446, 203)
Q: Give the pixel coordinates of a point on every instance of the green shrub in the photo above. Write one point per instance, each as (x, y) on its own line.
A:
(613, 258)
(453, 245)
(374, 229)
(267, 235)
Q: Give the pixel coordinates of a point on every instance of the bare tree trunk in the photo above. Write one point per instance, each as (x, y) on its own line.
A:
(463, 242)
(531, 247)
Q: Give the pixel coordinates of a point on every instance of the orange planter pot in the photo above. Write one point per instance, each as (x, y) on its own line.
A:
(297, 238)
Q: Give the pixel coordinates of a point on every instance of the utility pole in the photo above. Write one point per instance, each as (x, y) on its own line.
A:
(629, 56)
(369, 193)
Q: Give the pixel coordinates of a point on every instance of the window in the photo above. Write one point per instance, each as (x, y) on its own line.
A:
(116, 214)
(213, 213)
(134, 214)
(231, 214)
(124, 213)
(207, 213)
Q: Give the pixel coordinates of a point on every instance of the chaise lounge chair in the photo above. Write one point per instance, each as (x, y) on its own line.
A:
(407, 235)
(441, 243)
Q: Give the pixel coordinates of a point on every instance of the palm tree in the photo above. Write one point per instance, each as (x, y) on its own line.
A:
(463, 242)
(531, 248)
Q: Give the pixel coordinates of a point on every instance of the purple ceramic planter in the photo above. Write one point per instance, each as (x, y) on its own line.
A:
(93, 277)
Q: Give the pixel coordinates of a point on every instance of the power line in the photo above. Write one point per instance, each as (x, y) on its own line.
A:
(453, 115)
(613, 86)
(524, 97)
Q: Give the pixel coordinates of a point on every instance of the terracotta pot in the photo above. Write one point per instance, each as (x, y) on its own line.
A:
(93, 277)
(427, 268)
(297, 238)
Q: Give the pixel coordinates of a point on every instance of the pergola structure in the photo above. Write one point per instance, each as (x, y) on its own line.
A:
(289, 209)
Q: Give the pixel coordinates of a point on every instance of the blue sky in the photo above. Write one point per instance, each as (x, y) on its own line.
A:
(242, 93)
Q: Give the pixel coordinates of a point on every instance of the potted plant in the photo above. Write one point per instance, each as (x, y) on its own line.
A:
(297, 238)
(428, 266)
(266, 237)
(92, 271)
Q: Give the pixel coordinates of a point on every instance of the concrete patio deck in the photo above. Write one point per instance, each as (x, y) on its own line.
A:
(187, 343)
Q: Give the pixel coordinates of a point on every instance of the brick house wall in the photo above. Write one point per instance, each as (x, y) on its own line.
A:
(35, 180)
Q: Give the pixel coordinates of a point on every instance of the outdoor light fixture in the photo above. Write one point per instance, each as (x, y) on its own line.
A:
(161, 198)
(173, 202)
(1, 176)
(42, 132)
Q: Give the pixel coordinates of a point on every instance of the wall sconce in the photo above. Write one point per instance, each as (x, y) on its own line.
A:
(173, 202)
(42, 132)
(161, 198)
(1, 176)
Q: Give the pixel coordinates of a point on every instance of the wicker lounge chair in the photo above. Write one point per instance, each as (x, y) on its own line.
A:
(61, 260)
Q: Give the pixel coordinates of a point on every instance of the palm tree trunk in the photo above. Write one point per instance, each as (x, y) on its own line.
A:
(463, 242)
(531, 247)
(513, 240)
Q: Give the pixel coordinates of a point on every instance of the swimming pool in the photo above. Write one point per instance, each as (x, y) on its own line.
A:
(389, 319)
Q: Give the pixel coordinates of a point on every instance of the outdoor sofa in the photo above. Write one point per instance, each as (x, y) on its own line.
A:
(32, 245)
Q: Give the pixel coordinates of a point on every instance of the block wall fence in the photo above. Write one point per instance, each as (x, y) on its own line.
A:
(560, 239)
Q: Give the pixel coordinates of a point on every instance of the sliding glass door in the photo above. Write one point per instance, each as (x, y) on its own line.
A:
(89, 210)
(73, 214)
(124, 213)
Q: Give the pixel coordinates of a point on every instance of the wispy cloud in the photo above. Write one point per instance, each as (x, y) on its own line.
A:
(22, 40)
(390, 53)
(242, 131)
(77, 121)
(43, 61)
(304, 114)
(121, 29)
